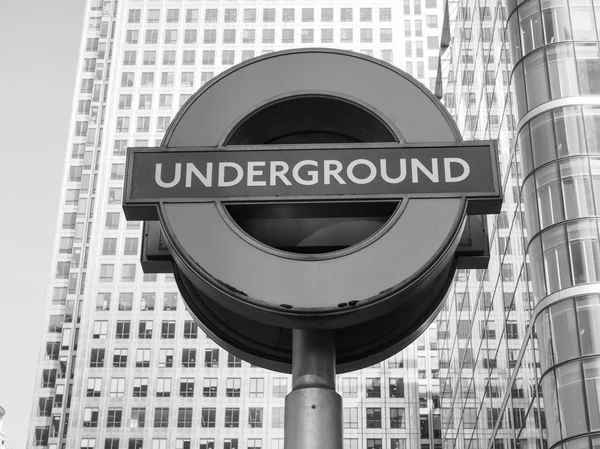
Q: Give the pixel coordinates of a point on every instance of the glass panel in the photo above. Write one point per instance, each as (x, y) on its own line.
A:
(551, 406)
(588, 68)
(556, 21)
(514, 33)
(525, 148)
(549, 195)
(585, 251)
(582, 15)
(536, 79)
(531, 215)
(542, 139)
(556, 259)
(591, 117)
(531, 26)
(570, 399)
(564, 328)
(537, 269)
(542, 327)
(595, 168)
(518, 90)
(591, 372)
(562, 71)
(588, 317)
(577, 188)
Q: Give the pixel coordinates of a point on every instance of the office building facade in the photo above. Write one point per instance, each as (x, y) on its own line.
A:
(122, 363)
(518, 342)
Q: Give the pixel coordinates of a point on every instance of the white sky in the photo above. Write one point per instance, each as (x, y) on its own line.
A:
(39, 42)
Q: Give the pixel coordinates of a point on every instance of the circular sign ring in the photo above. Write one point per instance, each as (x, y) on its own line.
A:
(286, 291)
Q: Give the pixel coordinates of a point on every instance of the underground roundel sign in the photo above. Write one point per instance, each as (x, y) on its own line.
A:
(313, 189)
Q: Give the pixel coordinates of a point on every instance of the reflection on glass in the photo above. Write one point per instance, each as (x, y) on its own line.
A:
(562, 316)
(549, 197)
(570, 399)
(514, 33)
(588, 317)
(524, 145)
(591, 373)
(556, 259)
(542, 139)
(536, 79)
(531, 214)
(591, 116)
(562, 71)
(577, 187)
(588, 68)
(585, 251)
(531, 26)
(542, 328)
(556, 21)
(569, 130)
(551, 408)
(518, 88)
(537, 269)
(582, 15)
(595, 168)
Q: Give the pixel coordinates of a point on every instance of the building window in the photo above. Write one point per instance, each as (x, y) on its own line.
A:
(184, 417)
(397, 418)
(512, 330)
(350, 417)
(232, 417)
(148, 300)
(268, 36)
(94, 387)
(123, 329)
(161, 417)
(138, 418)
(167, 329)
(385, 14)
(209, 387)
(140, 387)
(287, 36)
(120, 358)
(346, 35)
(373, 387)
(257, 387)
(350, 387)
(385, 35)
(396, 387)
(142, 357)
(190, 36)
(366, 35)
(114, 417)
(165, 358)
(211, 15)
(327, 35)
(135, 443)
(255, 416)
(117, 387)
(188, 358)
(211, 358)
(373, 418)
(190, 329)
(186, 387)
(233, 387)
(100, 330)
(191, 15)
(373, 443)
(346, 14)
(279, 387)
(308, 36)
(208, 418)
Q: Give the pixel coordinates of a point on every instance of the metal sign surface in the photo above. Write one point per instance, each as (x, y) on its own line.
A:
(287, 128)
(375, 171)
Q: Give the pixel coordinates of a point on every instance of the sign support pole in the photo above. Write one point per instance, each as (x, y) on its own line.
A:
(313, 410)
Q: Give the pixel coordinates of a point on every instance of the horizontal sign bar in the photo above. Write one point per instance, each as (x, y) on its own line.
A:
(334, 172)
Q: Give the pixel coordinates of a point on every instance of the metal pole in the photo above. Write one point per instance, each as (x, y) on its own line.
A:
(313, 410)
